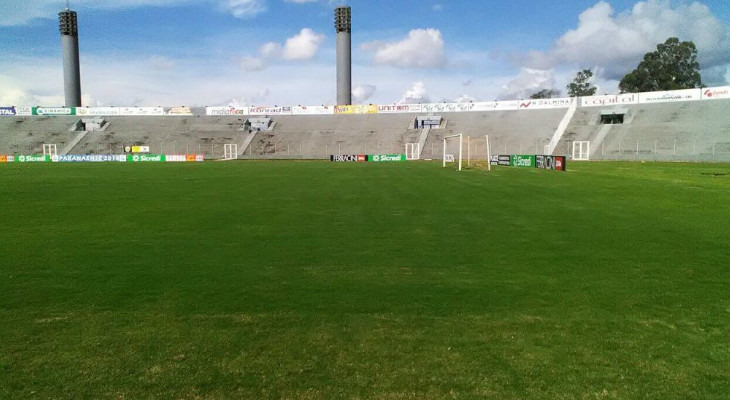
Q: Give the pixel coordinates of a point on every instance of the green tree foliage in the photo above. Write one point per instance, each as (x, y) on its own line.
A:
(672, 66)
(581, 85)
(546, 94)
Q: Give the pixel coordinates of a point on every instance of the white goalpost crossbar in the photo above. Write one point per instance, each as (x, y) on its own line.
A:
(460, 136)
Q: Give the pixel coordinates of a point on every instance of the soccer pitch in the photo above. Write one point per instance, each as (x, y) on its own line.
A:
(316, 280)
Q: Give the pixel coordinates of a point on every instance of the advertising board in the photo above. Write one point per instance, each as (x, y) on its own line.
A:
(313, 110)
(399, 108)
(97, 111)
(145, 158)
(523, 160)
(542, 104)
(348, 158)
(175, 158)
(194, 157)
(386, 157)
(716, 93)
(670, 96)
(267, 110)
(141, 111)
(77, 158)
(508, 105)
(612, 100)
(448, 107)
(226, 110)
(3, 158)
(24, 111)
(138, 149)
(7, 111)
(557, 163)
(504, 160)
(356, 109)
(54, 111)
(32, 158)
(180, 111)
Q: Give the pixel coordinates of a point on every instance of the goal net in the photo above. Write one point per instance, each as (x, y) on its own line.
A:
(453, 150)
(477, 151)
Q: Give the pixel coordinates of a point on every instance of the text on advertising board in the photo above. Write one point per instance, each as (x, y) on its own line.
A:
(348, 158)
(7, 111)
(557, 163)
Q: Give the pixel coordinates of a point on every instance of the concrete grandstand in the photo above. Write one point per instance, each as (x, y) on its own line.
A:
(695, 128)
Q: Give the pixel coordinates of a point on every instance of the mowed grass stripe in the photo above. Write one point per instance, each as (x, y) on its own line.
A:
(320, 280)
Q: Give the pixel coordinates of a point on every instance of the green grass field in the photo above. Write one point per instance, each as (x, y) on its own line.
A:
(313, 280)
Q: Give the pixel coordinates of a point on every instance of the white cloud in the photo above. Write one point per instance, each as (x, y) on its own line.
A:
(18, 12)
(361, 93)
(415, 94)
(251, 64)
(162, 63)
(422, 48)
(617, 42)
(528, 82)
(245, 8)
(303, 46)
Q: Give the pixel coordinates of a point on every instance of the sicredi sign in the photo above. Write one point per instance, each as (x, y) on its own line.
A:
(716, 93)
(146, 158)
(32, 158)
(523, 160)
(613, 100)
(387, 157)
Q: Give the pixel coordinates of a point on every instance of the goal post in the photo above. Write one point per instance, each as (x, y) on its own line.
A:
(581, 151)
(450, 156)
(230, 151)
(413, 151)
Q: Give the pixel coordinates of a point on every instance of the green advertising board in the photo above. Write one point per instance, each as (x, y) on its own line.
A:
(32, 158)
(523, 160)
(145, 158)
(54, 111)
(386, 157)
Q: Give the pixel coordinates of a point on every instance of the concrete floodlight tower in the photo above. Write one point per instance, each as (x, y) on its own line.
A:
(68, 25)
(343, 27)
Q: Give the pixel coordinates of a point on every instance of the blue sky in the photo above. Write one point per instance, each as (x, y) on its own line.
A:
(266, 52)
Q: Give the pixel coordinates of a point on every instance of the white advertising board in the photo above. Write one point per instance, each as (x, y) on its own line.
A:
(399, 108)
(97, 111)
(141, 111)
(722, 92)
(226, 110)
(266, 110)
(447, 107)
(610, 100)
(670, 96)
(183, 111)
(541, 104)
(24, 111)
(313, 110)
(506, 105)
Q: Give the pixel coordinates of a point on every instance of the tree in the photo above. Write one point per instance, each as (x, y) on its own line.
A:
(672, 66)
(546, 94)
(581, 85)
